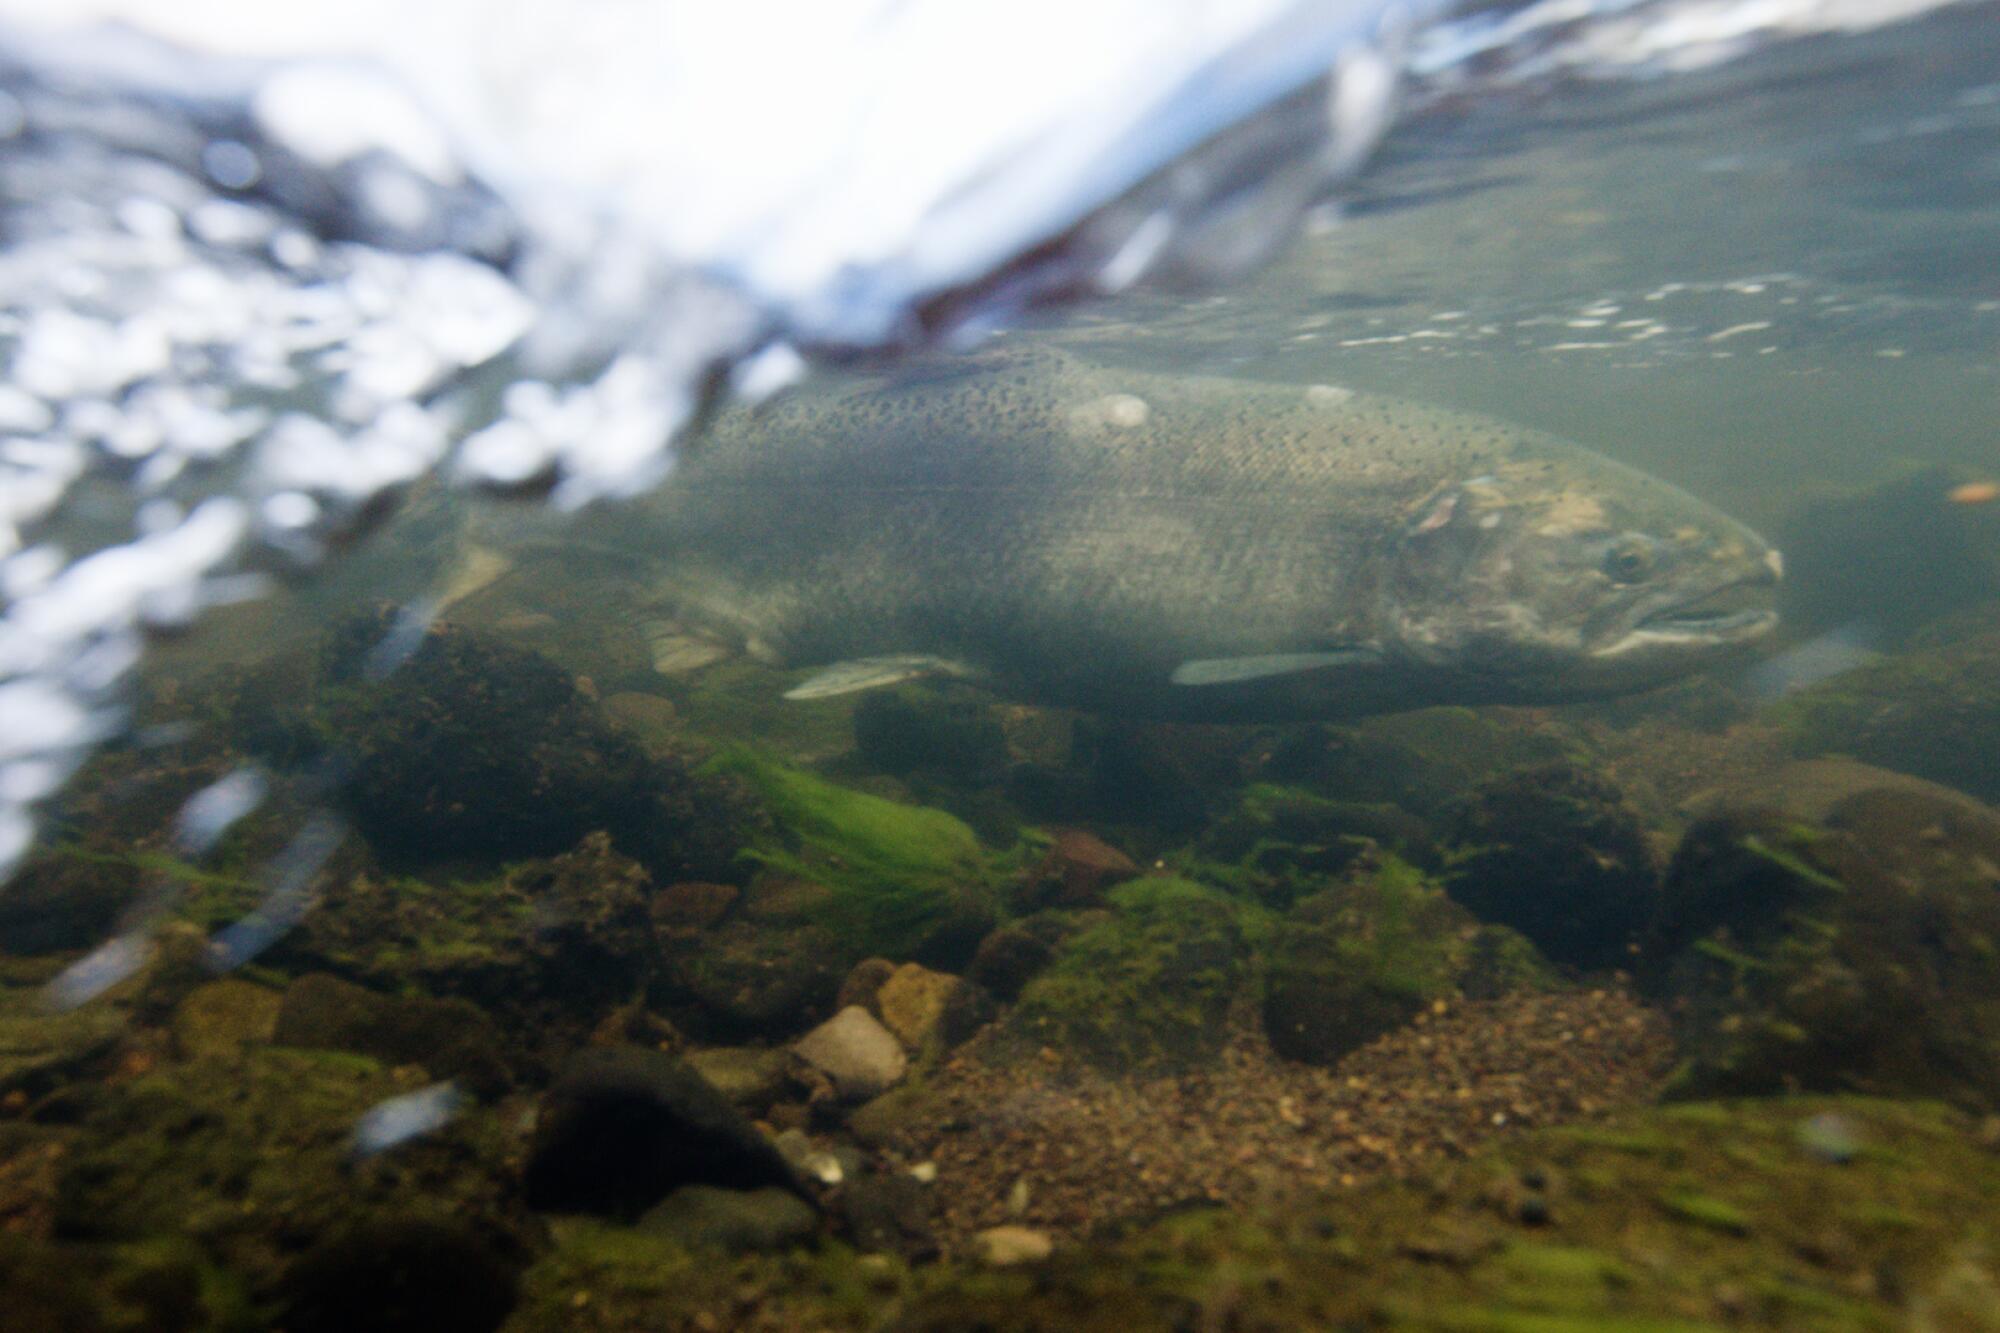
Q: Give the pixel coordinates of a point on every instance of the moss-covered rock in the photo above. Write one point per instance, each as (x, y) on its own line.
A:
(1147, 984)
(546, 948)
(1557, 853)
(258, 1165)
(1915, 712)
(450, 1038)
(1862, 953)
(1693, 1217)
(1362, 958)
(1282, 843)
(473, 748)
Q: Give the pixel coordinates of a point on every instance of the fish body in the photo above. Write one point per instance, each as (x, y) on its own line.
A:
(1190, 548)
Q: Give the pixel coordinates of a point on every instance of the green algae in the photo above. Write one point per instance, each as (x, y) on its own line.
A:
(1704, 1210)
(251, 1165)
(895, 870)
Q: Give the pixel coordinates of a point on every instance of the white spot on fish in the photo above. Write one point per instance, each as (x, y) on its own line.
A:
(1328, 395)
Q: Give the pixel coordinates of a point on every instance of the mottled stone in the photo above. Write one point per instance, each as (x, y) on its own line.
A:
(913, 1002)
(862, 1057)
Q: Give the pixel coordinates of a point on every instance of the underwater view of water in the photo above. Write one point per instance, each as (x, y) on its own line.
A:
(1446, 782)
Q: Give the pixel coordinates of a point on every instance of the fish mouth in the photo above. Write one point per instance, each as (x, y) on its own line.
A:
(1737, 612)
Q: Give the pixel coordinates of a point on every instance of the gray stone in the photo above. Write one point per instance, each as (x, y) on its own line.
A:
(852, 1048)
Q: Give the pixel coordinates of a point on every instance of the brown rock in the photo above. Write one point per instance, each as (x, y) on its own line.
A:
(1077, 871)
(912, 1003)
(693, 904)
(864, 984)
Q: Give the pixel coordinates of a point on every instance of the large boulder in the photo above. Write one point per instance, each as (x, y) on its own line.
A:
(1146, 984)
(1365, 956)
(1558, 854)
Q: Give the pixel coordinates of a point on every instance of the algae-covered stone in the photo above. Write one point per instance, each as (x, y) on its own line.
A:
(259, 1165)
(749, 1076)
(546, 948)
(1862, 953)
(1362, 958)
(913, 1003)
(225, 1017)
(705, 1217)
(1558, 854)
(1149, 984)
(450, 1038)
(1920, 711)
(1281, 843)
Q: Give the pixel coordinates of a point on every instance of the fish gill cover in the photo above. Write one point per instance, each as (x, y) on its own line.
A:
(267, 271)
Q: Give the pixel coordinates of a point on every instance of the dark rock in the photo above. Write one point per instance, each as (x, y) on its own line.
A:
(61, 900)
(478, 749)
(1421, 762)
(864, 983)
(450, 1038)
(747, 981)
(889, 1212)
(1007, 960)
(967, 1009)
(950, 941)
(693, 904)
(1076, 872)
(1853, 954)
(401, 1276)
(1558, 854)
(623, 1127)
(737, 1221)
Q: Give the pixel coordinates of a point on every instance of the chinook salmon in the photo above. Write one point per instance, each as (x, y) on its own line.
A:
(1189, 548)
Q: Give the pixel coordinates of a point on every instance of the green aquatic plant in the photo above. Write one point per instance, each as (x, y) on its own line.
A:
(894, 871)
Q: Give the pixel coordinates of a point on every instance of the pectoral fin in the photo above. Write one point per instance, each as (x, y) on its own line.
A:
(868, 673)
(1229, 670)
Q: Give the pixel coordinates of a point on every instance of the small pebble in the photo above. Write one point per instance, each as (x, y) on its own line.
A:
(1004, 1247)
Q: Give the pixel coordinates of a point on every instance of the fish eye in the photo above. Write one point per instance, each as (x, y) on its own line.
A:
(1628, 561)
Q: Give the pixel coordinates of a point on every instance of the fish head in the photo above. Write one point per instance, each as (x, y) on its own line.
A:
(1547, 578)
